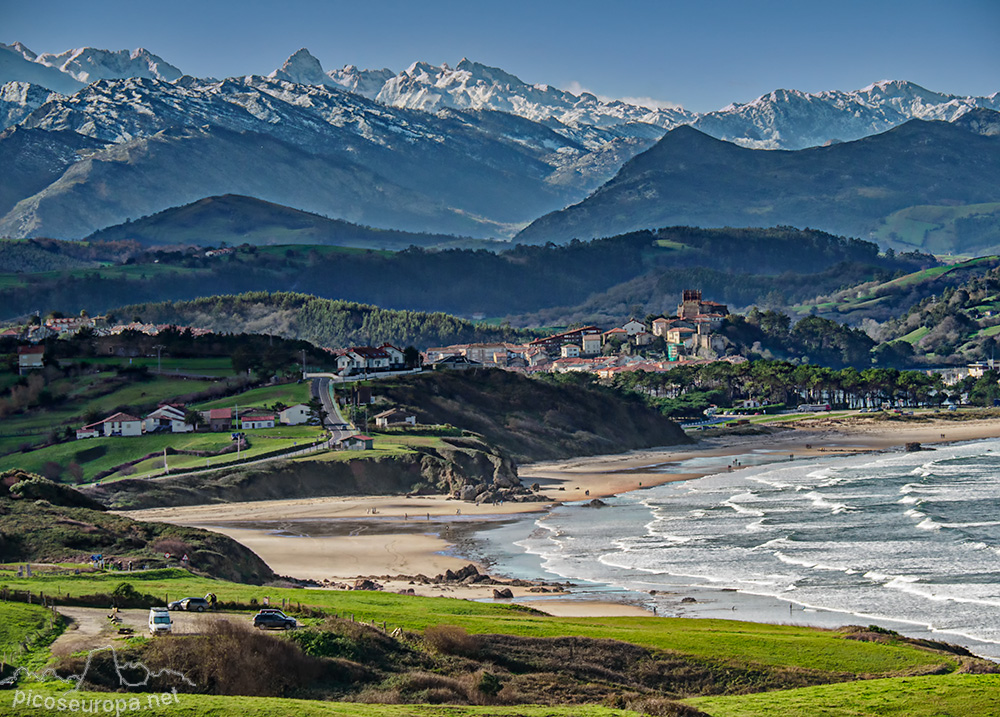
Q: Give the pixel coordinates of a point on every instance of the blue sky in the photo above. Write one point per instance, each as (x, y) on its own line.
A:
(702, 55)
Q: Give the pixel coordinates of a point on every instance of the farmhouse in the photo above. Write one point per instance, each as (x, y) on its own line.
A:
(357, 443)
(29, 358)
(219, 419)
(295, 415)
(119, 424)
(253, 421)
(169, 417)
(395, 416)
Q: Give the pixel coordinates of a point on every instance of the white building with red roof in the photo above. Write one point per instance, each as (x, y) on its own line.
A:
(119, 424)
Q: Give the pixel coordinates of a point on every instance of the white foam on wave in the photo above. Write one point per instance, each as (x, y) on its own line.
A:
(928, 524)
(742, 510)
(812, 564)
(820, 501)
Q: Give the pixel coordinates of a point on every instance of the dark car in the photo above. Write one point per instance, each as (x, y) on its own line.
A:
(193, 604)
(273, 619)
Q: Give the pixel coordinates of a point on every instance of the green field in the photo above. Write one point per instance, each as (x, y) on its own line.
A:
(221, 367)
(956, 695)
(104, 392)
(942, 692)
(716, 639)
(100, 394)
(119, 271)
(188, 705)
(931, 228)
(915, 335)
(25, 633)
(287, 393)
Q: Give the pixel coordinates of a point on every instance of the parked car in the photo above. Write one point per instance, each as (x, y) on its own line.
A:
(159, 621)
(273, 619)
(192, 604)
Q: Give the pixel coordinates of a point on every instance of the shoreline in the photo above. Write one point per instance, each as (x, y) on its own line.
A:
(338, 540)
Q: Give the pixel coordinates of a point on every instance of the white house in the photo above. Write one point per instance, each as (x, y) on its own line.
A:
(394, 416)
(167, 418)
(295, 415)
(120, 424)
(660, 326)
(633, 327)
(30, 357)
(569, 351)
(252, 422)
(591, 344)
(395, 355)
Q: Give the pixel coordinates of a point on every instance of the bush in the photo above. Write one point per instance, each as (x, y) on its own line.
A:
(234, 659)
(451, 640)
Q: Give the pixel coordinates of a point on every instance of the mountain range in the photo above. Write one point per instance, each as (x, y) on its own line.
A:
(109, 136)
(854, 188)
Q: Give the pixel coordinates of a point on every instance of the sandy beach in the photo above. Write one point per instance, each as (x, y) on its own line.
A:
(343, 538)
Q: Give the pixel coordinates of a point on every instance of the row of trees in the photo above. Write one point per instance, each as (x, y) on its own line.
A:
(688, 389)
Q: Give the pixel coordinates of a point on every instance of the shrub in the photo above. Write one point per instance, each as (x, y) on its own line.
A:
(234, 659)
(489, 684)
(451, 640)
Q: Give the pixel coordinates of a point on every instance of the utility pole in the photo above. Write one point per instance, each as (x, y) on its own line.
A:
(303, 364)
(159, 348)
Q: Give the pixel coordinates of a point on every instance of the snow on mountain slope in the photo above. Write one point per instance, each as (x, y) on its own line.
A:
(367, 83)
(20, 99)
(471, 85)
(89, 64)
(17, 65)
(789, 119)
(302, 68)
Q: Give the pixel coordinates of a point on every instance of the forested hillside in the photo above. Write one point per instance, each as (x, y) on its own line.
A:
(738, 266)
(323, 322)
(544, 418)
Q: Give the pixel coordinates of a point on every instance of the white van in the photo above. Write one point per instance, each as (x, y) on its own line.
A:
(159, 621)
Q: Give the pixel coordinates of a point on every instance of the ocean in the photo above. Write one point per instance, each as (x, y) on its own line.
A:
(905, 540)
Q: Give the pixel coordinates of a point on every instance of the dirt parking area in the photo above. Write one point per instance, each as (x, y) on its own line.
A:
(89, 627)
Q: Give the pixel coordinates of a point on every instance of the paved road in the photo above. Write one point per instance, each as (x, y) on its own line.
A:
(322, 389)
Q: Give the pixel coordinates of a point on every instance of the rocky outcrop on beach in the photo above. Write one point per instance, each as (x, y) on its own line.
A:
(467, 575)
(454, 465)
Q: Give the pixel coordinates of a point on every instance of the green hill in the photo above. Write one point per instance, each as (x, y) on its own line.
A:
(43, 522)
(234, 219)
(323, 322)
(849, 188)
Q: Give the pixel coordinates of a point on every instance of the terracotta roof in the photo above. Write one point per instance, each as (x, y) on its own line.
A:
(30, 350)
(360, 438)
(369, 352)
(118, 417)
(393, 412)
(215, 413)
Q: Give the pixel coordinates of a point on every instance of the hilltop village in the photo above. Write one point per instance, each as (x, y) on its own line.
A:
(690, 336)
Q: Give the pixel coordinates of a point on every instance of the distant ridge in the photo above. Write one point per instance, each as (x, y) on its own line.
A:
(851, 188)
(234, 219)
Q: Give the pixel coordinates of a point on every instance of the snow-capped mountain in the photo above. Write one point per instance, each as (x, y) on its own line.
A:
(69, 71)
(367, 83)
(89, 65)
(303, 69)
(788, 119)
(17, 64)
(471, 149)
(476, 173)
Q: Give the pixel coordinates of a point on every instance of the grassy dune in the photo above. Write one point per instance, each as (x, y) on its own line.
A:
(773, 645)
(956, 695)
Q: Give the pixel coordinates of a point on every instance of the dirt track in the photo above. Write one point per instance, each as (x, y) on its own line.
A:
(90, 627)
